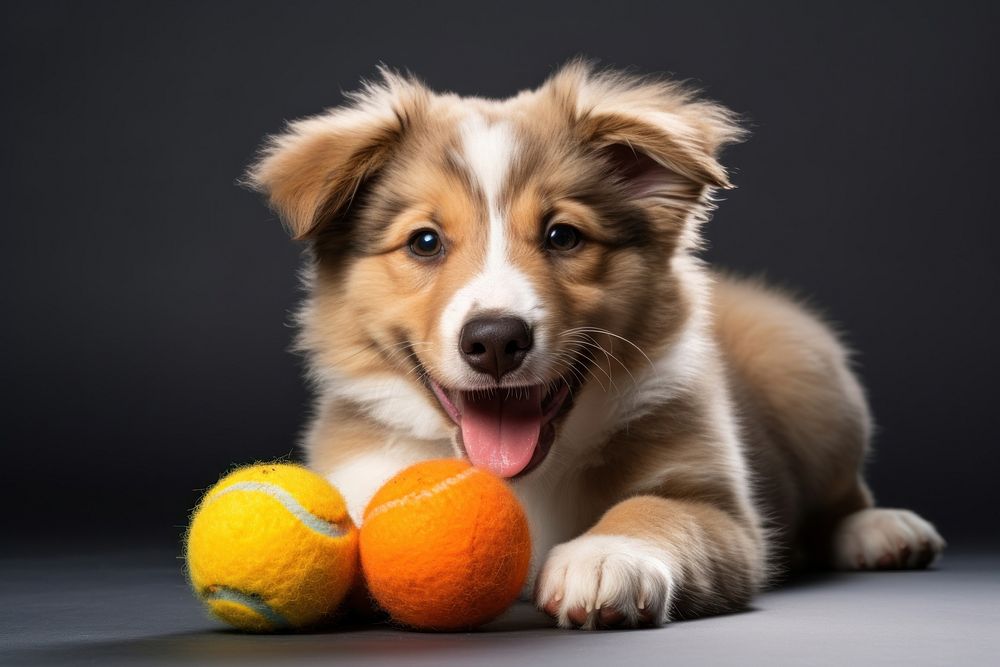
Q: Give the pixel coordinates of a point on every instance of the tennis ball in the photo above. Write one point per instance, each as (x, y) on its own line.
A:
(444, 546)
(271, 547)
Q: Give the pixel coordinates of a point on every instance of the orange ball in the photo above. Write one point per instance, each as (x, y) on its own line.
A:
(445, 546)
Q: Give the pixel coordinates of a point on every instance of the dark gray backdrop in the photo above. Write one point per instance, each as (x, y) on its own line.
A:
(145, 298)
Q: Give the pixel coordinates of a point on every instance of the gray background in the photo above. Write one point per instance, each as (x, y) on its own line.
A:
(145, 298)
(134, 610)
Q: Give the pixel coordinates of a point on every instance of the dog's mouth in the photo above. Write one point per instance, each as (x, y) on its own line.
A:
(507, 431)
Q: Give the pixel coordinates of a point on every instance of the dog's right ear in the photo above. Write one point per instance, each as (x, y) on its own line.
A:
(311, 172)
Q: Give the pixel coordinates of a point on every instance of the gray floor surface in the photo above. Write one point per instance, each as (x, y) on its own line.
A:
(134, 608)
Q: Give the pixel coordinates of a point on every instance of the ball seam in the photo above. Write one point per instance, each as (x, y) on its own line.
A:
(286, 500)
(422, 494)
(250, 601)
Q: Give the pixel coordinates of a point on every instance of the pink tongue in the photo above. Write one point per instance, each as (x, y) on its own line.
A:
(500, 431)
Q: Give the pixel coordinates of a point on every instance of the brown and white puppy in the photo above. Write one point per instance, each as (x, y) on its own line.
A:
(516, 282)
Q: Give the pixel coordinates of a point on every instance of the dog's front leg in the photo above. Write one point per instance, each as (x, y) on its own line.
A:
(650, 559)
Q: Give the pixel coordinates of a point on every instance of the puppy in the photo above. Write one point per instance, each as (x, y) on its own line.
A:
(516, 282)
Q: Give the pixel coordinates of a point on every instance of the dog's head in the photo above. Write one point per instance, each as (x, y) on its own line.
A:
(477, 263)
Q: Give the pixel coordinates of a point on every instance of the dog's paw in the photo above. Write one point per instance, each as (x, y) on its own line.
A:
(885, 539)
(605, 581)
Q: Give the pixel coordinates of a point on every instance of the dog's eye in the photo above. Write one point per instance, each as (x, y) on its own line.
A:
(562, 238)
(426, 243)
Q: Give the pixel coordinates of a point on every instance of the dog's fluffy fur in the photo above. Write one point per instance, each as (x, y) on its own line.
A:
(715, 430)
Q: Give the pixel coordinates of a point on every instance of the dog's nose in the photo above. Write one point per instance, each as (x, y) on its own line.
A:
(495, 345)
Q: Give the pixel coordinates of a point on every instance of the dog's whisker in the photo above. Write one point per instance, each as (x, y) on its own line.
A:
(608, 372)
(610, 356)
(567, 363)
(613, 335)
(611, 380)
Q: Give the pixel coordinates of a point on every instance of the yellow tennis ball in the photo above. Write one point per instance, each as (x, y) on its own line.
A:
(271, 547)
(445, 546)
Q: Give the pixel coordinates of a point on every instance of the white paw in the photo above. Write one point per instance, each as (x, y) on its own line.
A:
(885, 539)
(605, 581)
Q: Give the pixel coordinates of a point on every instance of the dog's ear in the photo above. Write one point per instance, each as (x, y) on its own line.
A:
(312, 171)
(657, 136)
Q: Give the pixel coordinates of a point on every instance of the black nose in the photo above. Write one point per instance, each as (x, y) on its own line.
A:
(495, 345)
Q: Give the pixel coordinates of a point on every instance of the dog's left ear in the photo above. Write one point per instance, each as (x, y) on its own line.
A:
(657, 136)
(312, 171)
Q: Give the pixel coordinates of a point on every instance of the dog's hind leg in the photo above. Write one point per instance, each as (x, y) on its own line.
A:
(879, 538)
(854, 534)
